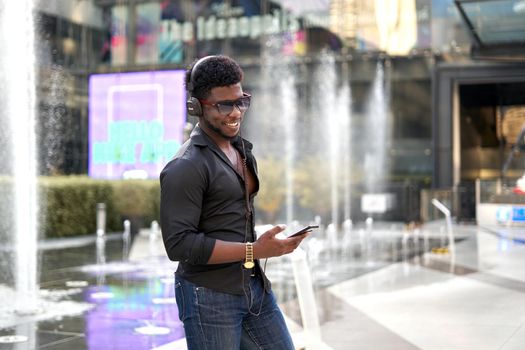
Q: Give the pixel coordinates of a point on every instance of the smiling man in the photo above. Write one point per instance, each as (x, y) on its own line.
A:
(207, 191)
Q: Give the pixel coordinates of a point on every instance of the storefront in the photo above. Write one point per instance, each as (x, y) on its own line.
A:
(479, 110)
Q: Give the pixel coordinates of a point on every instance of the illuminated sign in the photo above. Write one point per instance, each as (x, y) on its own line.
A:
(136, 122)
(507, 214)
(518, 214)
(213, 27)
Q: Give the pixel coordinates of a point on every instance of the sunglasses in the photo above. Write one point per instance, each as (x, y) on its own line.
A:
(226, 107)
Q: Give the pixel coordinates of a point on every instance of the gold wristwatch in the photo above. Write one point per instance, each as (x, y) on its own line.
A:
(248, 263)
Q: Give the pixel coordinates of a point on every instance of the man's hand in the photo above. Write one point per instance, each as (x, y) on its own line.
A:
(268, 245)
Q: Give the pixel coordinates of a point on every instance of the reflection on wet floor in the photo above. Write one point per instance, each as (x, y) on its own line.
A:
(130, 302)
(126, 298)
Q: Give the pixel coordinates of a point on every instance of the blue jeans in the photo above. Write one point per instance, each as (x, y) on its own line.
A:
(221, 321)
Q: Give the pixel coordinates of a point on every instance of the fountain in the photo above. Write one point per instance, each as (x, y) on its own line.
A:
(288, 97)
(19, 215)
(280, 125)
(17, 79)
(326, 75)
(126, 240)
(345, 116)
(320, 129)
(375, 141)
(377, 131)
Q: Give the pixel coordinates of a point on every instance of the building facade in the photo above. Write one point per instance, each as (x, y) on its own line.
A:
(448, 100)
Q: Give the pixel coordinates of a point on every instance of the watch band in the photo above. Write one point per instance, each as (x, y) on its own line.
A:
(248, 263)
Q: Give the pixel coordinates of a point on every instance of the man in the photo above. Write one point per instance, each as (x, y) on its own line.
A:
(207, 192)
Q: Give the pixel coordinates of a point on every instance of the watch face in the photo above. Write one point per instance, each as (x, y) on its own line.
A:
(249, 264)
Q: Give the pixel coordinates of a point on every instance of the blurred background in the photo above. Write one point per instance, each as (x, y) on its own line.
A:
(350, 97)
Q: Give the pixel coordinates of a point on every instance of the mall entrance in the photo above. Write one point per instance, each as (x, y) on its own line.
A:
(478, 114)
(491, 117)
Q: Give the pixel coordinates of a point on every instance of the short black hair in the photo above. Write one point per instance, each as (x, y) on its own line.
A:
(214, 71)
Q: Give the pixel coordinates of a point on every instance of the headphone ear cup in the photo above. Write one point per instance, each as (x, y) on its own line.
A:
(193, 107)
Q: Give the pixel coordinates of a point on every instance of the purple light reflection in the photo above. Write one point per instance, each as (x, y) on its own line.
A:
(111, 324)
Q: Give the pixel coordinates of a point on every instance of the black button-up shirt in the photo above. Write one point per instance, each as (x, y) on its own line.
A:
(203, 199)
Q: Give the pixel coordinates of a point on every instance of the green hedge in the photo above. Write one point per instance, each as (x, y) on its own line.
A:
(68, 204)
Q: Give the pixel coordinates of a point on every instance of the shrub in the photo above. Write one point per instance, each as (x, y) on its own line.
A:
(137, 200)
(68, 204)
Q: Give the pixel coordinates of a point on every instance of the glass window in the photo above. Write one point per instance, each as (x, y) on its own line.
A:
(485, 20)
(119, 35)
(147, 33)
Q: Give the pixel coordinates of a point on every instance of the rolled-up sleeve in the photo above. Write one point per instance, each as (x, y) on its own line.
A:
(182, 191)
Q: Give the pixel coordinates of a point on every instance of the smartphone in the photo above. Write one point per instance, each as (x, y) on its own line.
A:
(303, 230)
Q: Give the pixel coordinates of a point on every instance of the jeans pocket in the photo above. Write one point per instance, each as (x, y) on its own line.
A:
(179, 297)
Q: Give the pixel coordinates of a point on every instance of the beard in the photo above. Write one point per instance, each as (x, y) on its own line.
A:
(216, 129)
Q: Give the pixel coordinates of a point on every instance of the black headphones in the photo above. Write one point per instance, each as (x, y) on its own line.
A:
(193, 105)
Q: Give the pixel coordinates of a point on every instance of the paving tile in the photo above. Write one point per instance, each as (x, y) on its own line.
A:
(381, 294)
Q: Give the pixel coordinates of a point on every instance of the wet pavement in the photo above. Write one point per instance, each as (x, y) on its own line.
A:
(125, 299)
(100, 295)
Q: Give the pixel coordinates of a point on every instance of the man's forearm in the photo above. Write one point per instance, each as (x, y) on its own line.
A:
(226, 252)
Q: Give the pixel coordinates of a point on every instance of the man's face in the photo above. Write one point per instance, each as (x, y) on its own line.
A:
(224, 126)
